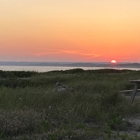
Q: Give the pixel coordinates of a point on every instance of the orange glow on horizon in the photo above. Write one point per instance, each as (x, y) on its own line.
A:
(88, 31)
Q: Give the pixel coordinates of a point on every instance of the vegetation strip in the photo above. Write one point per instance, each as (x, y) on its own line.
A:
(94, 109)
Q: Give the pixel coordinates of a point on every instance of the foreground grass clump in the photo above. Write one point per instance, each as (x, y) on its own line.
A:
(93, 109)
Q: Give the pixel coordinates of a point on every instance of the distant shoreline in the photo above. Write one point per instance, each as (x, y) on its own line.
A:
(72, 64)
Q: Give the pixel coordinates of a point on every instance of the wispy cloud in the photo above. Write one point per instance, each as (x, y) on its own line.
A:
(53, 52)
(81, 53)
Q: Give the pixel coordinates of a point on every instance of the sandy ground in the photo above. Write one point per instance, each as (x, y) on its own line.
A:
(132, 130)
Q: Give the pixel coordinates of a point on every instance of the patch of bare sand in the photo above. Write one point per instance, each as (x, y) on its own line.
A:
(133, 126)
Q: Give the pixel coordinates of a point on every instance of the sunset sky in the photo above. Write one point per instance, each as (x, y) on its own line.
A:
(70, 30)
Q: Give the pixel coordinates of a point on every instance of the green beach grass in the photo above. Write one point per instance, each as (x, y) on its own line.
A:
(93, 109)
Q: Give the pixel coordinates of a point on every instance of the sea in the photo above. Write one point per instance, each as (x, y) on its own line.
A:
(55, 68)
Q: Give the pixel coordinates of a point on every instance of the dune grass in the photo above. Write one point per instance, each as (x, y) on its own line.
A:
(92, 110)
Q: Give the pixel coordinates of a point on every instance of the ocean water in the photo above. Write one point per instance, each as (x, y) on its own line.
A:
(52, 68)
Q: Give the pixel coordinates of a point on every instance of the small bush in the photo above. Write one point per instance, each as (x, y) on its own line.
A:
(18, 122)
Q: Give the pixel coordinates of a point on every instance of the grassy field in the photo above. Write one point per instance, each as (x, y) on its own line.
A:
(92, 110)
